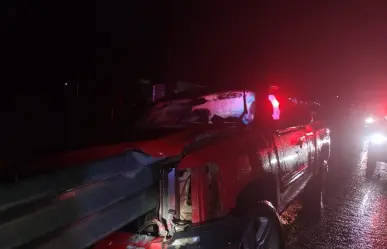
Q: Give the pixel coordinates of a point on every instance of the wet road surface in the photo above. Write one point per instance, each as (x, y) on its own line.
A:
(354, 213)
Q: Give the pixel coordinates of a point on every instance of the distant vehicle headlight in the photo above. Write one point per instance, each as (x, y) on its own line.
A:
(369, 120)
(378, 138)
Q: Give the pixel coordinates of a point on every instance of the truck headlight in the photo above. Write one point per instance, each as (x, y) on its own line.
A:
(378, 138)
(186, 241)
(369, 120)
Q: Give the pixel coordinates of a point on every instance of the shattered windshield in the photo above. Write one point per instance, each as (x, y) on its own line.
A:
(225, 107)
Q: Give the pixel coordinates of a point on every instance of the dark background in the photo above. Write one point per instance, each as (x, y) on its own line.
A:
(317, 49)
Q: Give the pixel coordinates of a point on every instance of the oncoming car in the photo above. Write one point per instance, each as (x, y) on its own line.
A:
(377, 148)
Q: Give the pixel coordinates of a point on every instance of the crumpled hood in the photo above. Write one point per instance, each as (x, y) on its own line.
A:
(169, 141)
(158, 143)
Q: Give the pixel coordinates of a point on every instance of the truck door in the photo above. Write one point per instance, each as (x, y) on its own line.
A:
(293, 145)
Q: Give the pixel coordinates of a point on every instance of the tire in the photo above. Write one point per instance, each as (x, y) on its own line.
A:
(262, 229)
(322, 178)
(313, 197)
(322, 170)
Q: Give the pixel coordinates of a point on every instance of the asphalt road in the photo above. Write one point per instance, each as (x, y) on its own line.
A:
(354, 212)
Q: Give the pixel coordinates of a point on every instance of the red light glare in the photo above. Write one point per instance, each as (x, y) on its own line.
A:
(274, 101)
(275, 104)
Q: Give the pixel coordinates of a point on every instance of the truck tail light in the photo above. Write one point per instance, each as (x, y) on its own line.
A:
(275, 104)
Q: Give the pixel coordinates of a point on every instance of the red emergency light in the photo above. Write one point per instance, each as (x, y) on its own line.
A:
(275, 104)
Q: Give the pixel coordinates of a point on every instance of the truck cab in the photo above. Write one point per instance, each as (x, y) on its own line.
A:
(251, 159)
(217, 168)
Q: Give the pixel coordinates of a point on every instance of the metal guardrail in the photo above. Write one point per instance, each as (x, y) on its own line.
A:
(74, 208)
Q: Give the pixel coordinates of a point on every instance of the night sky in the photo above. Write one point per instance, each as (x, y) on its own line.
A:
(315, 47)
(318, 49)
(319, 43)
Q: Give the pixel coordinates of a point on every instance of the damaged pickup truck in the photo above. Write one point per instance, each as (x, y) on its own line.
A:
(205, 170)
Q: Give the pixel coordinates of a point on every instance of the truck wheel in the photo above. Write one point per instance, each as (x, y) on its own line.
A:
(313, 198)
(322, 178)
(263, 229)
